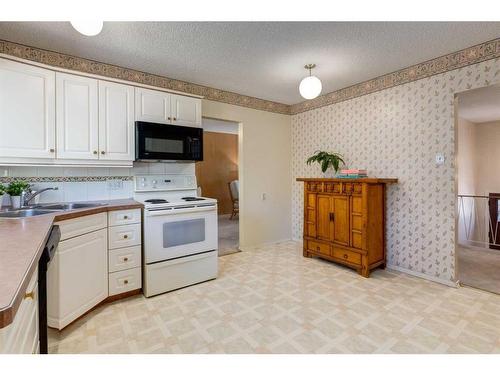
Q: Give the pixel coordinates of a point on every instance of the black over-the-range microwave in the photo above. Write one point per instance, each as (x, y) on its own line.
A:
(163, 142)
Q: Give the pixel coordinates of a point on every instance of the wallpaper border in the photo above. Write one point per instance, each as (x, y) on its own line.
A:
(83, 65)
(468, 56)
(6, 180)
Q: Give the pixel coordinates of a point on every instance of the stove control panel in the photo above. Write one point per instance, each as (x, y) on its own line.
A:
(164, 182)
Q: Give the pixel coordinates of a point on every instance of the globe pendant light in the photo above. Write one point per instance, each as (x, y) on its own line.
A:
(310, 87)
(87, 27)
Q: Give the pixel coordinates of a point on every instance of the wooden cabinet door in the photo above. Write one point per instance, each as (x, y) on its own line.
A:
(340, 209)
(152, 106)
(324, 222)
(76, 117)
(116, 121)
(186, 111)
(77, 277)
(27, 111)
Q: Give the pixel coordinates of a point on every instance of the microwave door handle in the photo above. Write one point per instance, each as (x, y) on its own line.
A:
(189, 142)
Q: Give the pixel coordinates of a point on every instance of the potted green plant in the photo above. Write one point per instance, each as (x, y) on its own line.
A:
(327, 160)
(15, 189)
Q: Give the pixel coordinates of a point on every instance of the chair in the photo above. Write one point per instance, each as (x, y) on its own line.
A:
(234, 192)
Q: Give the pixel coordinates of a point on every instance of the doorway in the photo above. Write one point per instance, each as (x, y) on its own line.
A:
(478, 193)
(218, 177)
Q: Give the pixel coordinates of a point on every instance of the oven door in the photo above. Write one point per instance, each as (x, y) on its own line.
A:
(168, 142)
(176, 233)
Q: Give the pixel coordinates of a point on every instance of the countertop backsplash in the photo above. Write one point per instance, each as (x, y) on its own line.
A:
(87, 183)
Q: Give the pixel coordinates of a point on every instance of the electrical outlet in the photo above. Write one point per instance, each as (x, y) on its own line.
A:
(115, 184)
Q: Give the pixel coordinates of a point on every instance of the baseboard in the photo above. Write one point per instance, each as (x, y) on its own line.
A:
(423, 276)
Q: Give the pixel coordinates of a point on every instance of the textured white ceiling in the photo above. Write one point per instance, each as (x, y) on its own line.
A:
(480, 105)
(261, 59)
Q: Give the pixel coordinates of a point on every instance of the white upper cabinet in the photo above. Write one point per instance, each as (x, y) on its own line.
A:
(116, 121)
(27, 111)
(77, 117)
(152, 106)
(185, 110)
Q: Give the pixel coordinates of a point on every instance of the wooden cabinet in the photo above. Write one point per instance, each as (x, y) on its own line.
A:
(77, 117)
(21, 336)
(185, 111)
(344, 221)
(152, 106)
(77, 278)
(165, 108)
(27, 111)
(116, 121)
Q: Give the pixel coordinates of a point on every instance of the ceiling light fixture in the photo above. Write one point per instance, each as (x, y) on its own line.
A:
(87, 27)
(310, 87)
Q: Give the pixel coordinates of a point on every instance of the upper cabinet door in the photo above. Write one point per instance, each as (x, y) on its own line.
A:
(116, 121)
(186, 111)
(27, 111)
(152, 106)
(77, 120)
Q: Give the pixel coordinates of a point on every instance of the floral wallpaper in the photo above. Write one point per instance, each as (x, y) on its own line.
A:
(397, 132)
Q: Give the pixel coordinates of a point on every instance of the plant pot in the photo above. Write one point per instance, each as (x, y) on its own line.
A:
(15, 201)
(330, 173)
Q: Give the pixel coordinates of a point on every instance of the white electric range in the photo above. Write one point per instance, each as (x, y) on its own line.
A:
(180, 233)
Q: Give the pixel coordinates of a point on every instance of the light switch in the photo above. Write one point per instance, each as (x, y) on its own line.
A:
(440, 159)
(264, 196)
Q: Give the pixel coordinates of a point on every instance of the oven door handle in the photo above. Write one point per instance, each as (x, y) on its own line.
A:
(179, 210)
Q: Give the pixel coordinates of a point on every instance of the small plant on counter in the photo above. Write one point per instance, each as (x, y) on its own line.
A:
(327, 160)
(2, 189)
(16, 188)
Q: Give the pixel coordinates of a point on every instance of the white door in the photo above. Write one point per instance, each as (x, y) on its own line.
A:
(152, 106)
(27, 111)
(116, 121)
(77, 278)
(179, 232)
(186, 111)
(77, 117)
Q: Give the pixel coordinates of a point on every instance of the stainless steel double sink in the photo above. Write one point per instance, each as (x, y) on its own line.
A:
(44, 209)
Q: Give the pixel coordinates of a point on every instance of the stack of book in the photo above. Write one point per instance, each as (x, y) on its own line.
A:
(352, 173)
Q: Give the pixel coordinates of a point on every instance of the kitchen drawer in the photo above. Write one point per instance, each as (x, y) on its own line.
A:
(318, 247)
(124, 259)
(124, 281)
(81, 225)
(124, 236)
(21, 336)
(347, 255)
(124, 217)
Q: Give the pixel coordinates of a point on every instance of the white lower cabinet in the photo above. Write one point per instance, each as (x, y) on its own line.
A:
(21, 336)
(77, 277)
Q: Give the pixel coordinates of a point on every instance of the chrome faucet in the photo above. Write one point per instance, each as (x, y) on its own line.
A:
(27, 196)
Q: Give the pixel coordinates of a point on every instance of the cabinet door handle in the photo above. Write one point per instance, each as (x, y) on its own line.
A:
(125, 281)
(125, 236)
(103, 152)
(125, 217)
(95, 152)
(30, 295)
(175, 118)
(125, 259)
(169, 118)
(52, 150)
(332, 216)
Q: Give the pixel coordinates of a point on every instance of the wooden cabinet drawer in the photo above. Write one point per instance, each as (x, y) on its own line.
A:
(124, 281)
(332, 187)
(347, 255)
(318, 247)
(124, 259)
(124, 236)
(124, 217)
(314, 186)
(81, 225)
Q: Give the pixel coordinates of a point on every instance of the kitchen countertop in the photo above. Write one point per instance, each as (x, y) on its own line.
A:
(21, 244)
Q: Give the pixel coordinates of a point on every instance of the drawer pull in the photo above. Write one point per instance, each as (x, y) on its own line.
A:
(346, 256)
(317, 248)
(125, 259)
(125, 217)
(125, 236)
(30, 295)
(125, 281)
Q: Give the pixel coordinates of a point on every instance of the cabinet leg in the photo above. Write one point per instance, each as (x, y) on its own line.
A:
(307, 254)
(364, 271)
(382, 266)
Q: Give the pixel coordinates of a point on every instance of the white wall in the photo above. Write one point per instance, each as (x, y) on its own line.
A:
(487, 157)
(264, 166)
(218, 126)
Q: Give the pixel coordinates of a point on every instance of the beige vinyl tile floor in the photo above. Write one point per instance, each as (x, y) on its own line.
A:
(270, 299)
